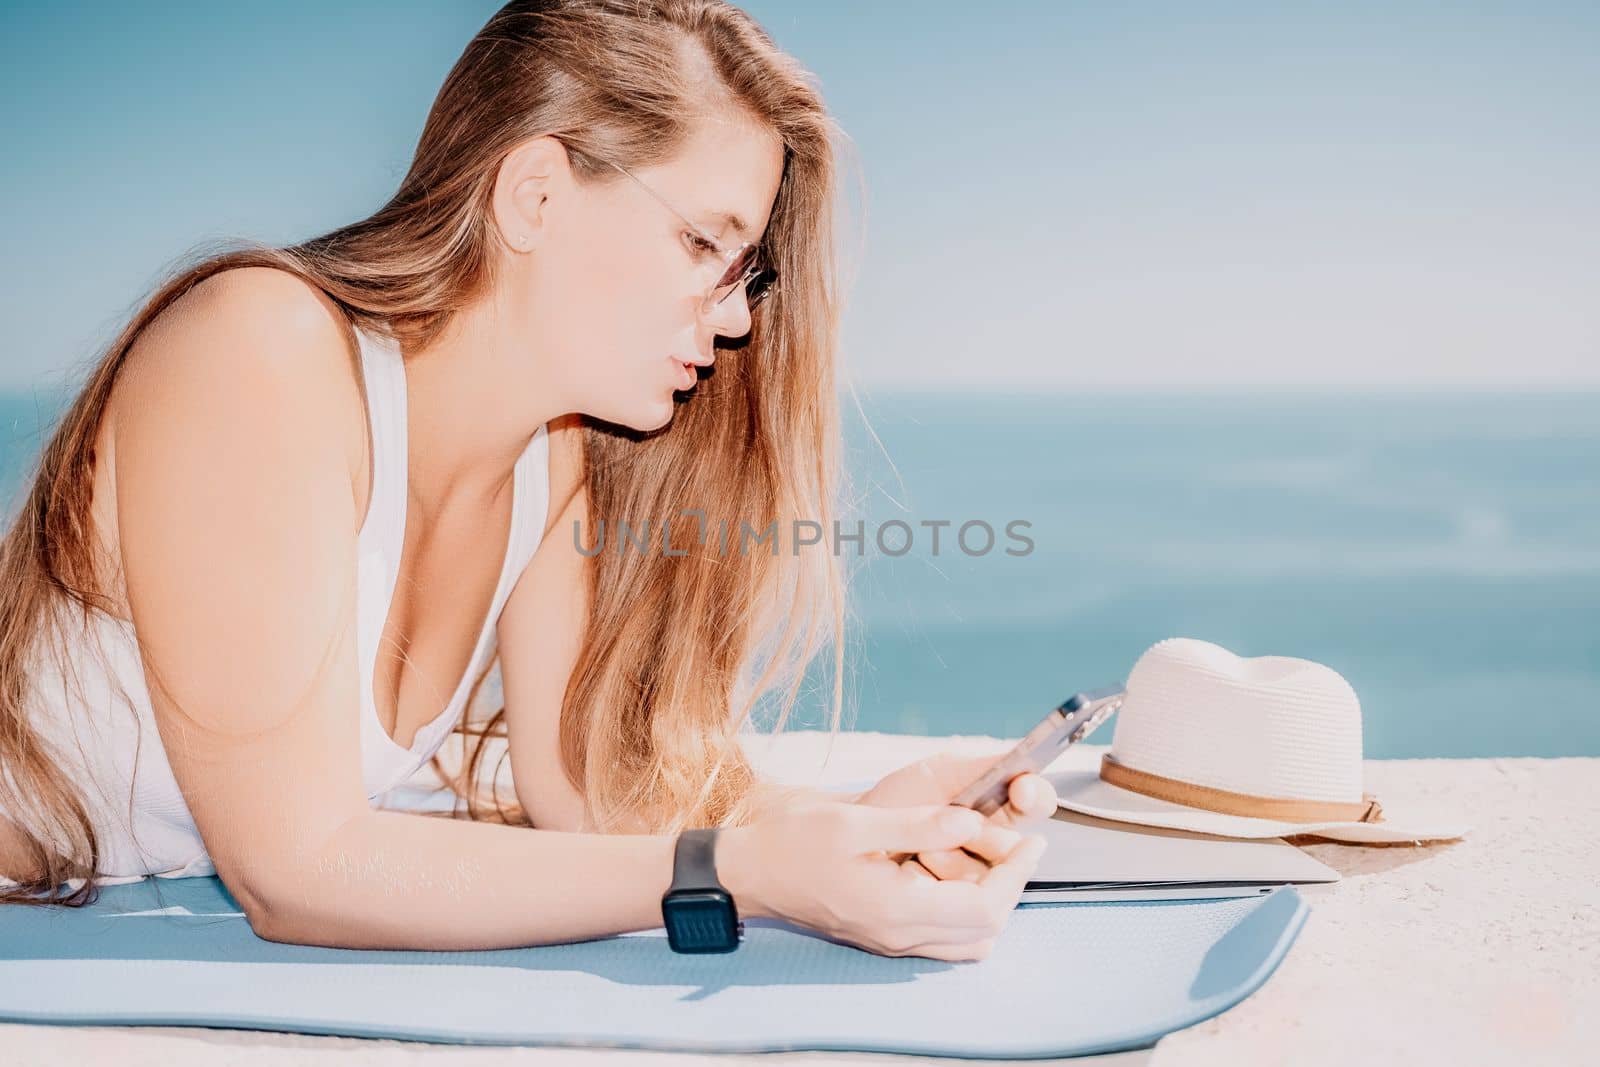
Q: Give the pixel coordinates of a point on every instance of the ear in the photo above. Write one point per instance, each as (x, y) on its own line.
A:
(529, 175)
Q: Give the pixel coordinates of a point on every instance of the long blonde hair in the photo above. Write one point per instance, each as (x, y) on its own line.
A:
(678, 650)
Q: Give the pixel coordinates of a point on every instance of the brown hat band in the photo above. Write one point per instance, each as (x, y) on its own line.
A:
(1280, 809)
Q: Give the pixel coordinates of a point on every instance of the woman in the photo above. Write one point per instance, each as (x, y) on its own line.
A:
(359, 457)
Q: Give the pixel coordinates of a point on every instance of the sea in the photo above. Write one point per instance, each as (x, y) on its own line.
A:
(1440, 550)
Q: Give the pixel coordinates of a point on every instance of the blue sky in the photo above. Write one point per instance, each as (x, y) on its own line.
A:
(1057, 195)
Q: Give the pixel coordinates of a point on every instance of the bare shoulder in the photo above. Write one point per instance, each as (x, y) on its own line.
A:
(243, 340)
(259, 314)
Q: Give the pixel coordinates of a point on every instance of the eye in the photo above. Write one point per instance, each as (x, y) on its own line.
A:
(698, 244)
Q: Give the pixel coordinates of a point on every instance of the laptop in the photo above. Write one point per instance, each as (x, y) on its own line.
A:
(1098, 859)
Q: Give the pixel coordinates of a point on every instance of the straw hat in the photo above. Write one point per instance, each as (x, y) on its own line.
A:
(1216, 743)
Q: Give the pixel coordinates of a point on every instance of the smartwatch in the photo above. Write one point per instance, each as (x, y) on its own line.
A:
(697, 910)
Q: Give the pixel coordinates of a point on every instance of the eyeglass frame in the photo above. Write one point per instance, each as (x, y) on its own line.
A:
(758, 265)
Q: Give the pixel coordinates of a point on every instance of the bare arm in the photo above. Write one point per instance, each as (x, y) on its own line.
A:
(236, 452)
(774, 796)
(539, 633)
(393, 880)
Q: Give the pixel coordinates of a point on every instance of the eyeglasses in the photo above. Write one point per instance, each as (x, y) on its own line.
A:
(746, 265)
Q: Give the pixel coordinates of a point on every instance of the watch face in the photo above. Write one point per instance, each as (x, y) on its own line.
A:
(701, 920)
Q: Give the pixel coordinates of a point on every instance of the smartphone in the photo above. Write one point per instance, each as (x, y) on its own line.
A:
(1072, 720)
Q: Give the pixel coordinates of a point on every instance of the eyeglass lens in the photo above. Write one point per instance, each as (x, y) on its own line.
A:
(746, 267)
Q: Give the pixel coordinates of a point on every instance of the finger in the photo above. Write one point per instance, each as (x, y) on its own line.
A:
(1006, 880)
(930, 901)
(947, 865)
(955, 773)
(952, 911)
(950, 863)
(948, 773)
(912, 871)
(915, 871)
(994, 843)
(919, 828)
(973, 859)
(1028, 797)
(1031, 797)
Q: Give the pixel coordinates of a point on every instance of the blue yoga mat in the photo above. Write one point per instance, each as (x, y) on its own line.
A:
(1063, 979)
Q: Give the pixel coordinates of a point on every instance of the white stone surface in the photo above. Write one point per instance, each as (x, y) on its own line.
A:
(1482, 951)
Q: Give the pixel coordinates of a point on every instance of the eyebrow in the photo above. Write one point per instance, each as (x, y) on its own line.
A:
(730, 219)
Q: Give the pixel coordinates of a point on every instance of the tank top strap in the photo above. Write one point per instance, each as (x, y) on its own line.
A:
(383, 371)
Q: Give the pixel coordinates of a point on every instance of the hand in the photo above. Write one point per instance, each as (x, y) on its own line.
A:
(937, 780)
(826, 866)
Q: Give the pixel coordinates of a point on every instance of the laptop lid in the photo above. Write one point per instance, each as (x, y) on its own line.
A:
(1087, 853)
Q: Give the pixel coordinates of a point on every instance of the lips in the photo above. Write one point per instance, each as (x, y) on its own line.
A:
(689, 376)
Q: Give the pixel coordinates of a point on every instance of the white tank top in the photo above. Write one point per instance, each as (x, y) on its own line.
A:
(126, 781)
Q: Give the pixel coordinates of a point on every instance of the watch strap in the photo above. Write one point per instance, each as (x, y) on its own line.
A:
(694, 864)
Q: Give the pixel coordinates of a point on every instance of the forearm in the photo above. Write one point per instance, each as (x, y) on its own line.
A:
(396, 880)
(774, 796)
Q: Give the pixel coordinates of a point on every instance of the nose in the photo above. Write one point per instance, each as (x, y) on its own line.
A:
(731, 317)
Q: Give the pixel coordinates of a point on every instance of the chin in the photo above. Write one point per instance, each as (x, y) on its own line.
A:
(648, 417)
(641, 413)
(665, 419)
